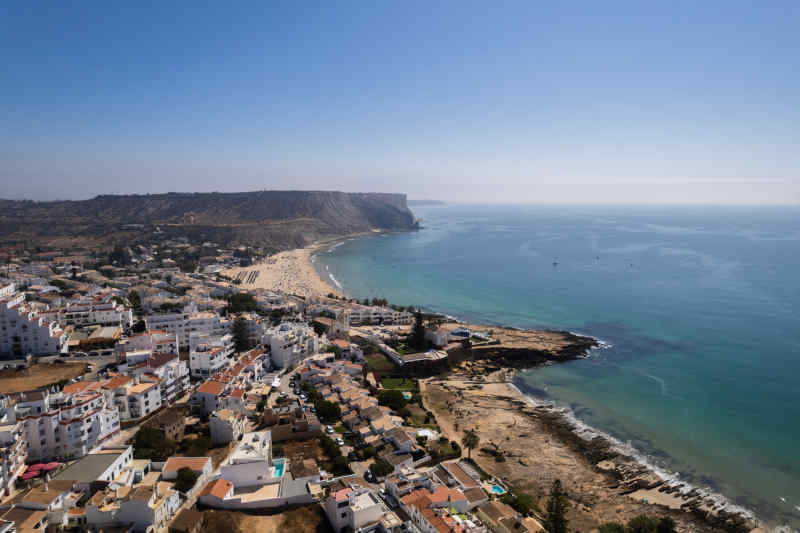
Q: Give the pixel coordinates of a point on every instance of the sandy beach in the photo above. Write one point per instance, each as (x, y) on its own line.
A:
(290, 272)
(537, 450)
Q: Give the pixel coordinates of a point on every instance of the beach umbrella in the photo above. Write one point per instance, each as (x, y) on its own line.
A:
(50, 466)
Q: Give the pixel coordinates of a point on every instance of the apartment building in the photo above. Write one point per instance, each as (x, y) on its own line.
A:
(61, 425)
(28, 329)
(361, 315)
(97, 309)
(184, 324)
(356, 509)
(290, 343)
(133, 399)
(154, 341)
(12, 453)
(209, 353)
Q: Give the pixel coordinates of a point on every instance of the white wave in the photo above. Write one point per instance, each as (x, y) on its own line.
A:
(671, 479)
(335, 281)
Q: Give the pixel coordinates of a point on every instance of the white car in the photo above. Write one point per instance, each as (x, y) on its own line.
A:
(340, 442)
(328, 429)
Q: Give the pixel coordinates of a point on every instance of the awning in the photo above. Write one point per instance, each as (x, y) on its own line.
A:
(50, 466)
(37, 466)
(30, 475)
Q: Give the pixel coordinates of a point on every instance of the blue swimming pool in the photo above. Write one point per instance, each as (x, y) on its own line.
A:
(279, 469)
(497, 489)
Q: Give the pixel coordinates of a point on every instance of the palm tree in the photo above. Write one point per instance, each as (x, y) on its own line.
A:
(470, 441)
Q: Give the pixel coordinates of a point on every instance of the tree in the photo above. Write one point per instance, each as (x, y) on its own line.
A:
(611, 527)
(666, 525)
(392, 398)
(139, 326)
(557, 505)
(241, 302)
(520, 502)
(327, 411)
(241, 339)
(470, 441)
(185, 480)
(417, 338)
(381, 468)
(150, 443)
(642, 524)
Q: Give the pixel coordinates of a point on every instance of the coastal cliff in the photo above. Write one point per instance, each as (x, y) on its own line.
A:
(275, 219)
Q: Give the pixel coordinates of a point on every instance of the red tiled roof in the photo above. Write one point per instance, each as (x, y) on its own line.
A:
(210, 387)
(218, 488)
(116, 382)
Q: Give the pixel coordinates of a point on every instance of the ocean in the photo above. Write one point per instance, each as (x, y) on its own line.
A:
(700, 307)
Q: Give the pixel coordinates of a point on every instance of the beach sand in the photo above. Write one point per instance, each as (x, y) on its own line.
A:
(290, 272)
(536, 454)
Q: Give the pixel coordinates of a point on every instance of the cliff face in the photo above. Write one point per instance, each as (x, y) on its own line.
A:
(279, 219)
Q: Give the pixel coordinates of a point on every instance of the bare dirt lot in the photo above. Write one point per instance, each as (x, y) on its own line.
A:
(309, 519)
(38, 375)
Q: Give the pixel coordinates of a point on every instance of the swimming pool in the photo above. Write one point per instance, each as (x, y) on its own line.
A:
(497, 489)
(279, 468)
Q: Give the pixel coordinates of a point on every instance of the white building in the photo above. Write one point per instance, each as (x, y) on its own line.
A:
(152, 341)
(12, 453)
(373, 315)
(226, 426)
(61, 425)
(25, 330)
(143, 508)
(184, 324)
(209, 353)
(206, 399)
(133, 400)
(101, 310)
(251, 463)
(290, 343)
(351, 509)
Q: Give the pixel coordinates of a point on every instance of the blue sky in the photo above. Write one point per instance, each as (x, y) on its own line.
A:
(468, 101)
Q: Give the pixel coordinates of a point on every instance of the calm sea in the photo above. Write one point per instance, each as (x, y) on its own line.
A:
(700, 306)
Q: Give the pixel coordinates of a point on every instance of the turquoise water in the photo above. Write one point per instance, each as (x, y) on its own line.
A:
(497, 489)
(279, 466)
(700, 306)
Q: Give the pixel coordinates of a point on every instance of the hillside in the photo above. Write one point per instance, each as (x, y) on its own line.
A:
(278, 219)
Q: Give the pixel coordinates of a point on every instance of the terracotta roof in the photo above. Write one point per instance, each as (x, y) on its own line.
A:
(160, 359)
(73, 388)
(237, 393)
(210, 387)
(116, 382)
(194, 463)
(341, 495)
(218, 488)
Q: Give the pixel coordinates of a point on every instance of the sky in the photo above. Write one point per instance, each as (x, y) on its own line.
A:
(567, 102)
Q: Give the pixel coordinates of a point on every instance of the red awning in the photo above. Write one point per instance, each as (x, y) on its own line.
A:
(30, 475)
(50, 466)
(37, 466)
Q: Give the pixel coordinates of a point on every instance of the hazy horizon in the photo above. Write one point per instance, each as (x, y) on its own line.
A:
(619, 103)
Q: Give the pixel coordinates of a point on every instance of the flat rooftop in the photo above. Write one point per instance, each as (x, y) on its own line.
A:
(89, 467)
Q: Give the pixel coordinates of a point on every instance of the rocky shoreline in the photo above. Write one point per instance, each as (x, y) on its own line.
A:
(539, 443)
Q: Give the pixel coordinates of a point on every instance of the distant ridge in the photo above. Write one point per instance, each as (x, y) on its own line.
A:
(275, 219)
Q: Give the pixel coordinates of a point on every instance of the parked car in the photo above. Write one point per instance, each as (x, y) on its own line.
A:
(328, 429)
(340, 442)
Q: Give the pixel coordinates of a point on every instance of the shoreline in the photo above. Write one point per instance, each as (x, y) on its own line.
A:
(645, 480)
(540, 443)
